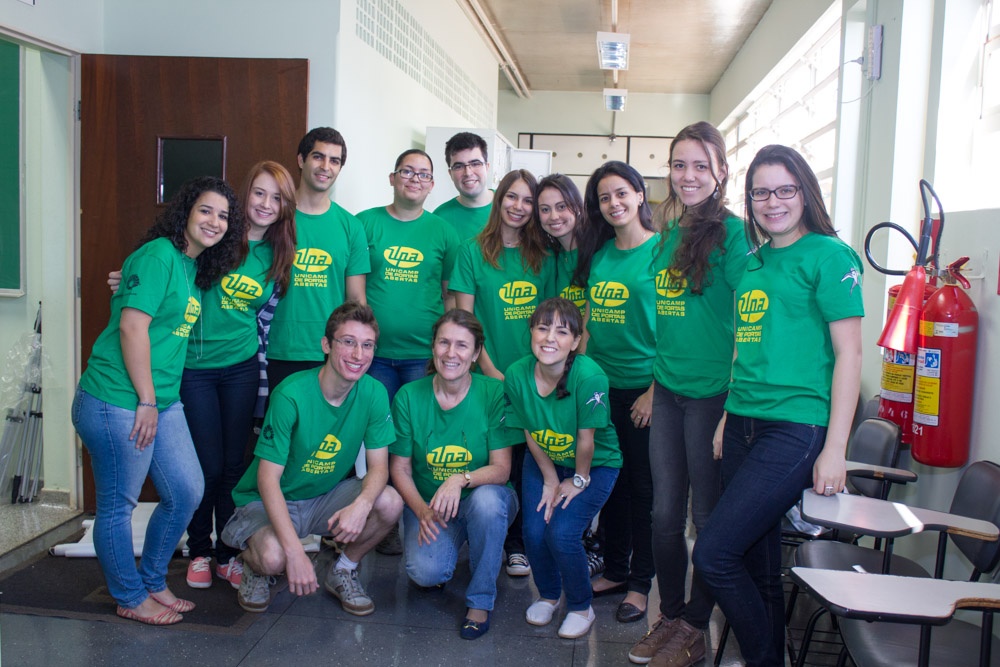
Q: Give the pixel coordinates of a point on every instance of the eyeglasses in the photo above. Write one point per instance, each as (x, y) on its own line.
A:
(459, 167)
(408, 173)
(367, 346)
(784, 192)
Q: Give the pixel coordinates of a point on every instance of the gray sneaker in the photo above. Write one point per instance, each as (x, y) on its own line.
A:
(345, 586)
(255, 590)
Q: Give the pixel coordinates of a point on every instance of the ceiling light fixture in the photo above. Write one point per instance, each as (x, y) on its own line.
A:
(614, 99)
(612, 50)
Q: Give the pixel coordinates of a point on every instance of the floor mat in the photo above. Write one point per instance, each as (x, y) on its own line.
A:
(75, 588)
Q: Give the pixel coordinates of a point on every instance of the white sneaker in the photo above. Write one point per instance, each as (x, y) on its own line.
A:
(540, 612)
(576, 625)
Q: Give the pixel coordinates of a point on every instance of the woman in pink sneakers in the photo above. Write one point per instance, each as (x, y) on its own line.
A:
(222, 398)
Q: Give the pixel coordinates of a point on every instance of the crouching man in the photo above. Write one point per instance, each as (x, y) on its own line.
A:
(298, 483)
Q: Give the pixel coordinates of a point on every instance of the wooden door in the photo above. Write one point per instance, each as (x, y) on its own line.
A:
(127, 103)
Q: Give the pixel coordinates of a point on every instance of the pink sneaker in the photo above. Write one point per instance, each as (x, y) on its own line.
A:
(231, 572)
(199, 574)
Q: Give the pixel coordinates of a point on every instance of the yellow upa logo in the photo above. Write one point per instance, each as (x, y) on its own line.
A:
(193, 310)
(242, 287)
(752, 306)
(312, 260)
(328, 448)
(449, 456)
(552, 441)
(609, 294)
(670, 283)
(518, 292)
(575, 294)
(403, 257)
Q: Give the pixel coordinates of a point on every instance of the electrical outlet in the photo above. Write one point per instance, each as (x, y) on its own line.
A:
(874, 57)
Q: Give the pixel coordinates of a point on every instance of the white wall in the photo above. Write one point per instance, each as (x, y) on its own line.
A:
(548, 111)
(382, 111)
(75, 25)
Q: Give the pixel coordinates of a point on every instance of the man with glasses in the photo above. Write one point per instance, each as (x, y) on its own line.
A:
(466, 155)
(298, 483)
(411, 252)
(331, 259)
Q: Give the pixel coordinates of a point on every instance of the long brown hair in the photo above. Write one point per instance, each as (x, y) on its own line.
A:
(281, 233)
(705, 222)
(532, 246)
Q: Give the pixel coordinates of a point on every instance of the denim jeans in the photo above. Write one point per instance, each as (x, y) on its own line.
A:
(680, 457)
(218, 405)
(765, 467)
(626, 518)
(554, 549)
(482, 520)
(119, 471)
(394, 373)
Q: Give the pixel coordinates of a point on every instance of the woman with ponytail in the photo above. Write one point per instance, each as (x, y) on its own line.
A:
(560, 399)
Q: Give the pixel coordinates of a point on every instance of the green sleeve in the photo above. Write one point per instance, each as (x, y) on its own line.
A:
(403, 446)
(380, 432)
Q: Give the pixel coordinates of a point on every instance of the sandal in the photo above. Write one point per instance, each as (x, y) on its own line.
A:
(180, 606)
(165, 617)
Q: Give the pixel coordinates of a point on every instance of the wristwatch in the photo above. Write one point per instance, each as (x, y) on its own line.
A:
(581, 482)
(468, 480)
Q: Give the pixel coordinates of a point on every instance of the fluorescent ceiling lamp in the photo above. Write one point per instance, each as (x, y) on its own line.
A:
(614, 99)
(612, 50)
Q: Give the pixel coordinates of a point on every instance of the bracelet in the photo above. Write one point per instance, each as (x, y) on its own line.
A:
(142, 404)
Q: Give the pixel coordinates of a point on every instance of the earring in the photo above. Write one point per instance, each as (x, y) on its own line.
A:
(715, 195)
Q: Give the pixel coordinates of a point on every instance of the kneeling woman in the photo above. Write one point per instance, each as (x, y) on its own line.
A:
(454, 417)
(127, 408)
(560, 399)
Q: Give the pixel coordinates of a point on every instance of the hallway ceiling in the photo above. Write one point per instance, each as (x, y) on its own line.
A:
(677, 46)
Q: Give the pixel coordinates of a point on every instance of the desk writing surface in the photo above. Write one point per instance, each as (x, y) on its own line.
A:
(882, 518)
(890, 598)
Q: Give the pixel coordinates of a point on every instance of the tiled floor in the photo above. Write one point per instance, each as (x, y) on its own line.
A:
(409, 627)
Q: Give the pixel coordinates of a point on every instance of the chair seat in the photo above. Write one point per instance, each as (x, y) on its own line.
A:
(829, 555)
(878, 644)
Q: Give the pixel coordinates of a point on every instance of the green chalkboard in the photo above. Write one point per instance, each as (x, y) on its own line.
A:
(10, 168)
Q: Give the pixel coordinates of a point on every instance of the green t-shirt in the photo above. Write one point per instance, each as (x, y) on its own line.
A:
(467, 221)
(226, 333)
(784, 304)
(622, 321)
(565, 261)
(157, 279)
(330, 247)
(408, 261)
(317, 443)
(441, 443)
(694, 332)
(505, 298)
(555, 422)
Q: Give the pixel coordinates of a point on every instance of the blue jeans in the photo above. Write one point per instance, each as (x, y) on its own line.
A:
(119, 471)
(554, 549)
(482, 519)
(218, 405)
(765, 467)
(394, 373)
(680, 457)
(627, 516)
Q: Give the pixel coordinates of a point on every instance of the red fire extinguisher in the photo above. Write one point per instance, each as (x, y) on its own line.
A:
(898, 374)
(945, 374)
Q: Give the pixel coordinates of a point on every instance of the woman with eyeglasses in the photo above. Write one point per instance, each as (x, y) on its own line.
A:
(412, 253)
(501, 276)
(791, 401)
(450, 463)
